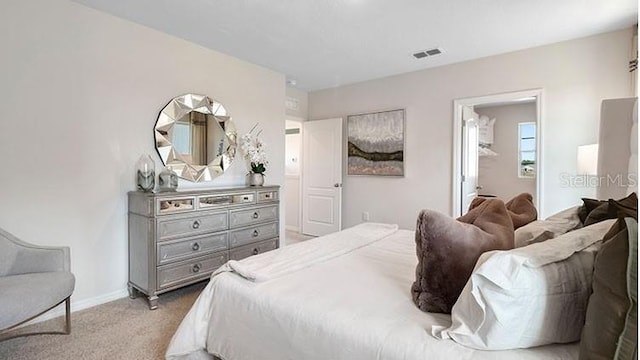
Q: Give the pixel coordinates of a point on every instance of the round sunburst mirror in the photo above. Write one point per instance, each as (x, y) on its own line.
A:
(195, 137)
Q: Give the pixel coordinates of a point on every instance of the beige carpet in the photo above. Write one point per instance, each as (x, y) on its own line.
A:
(292, 237)
(122, 329)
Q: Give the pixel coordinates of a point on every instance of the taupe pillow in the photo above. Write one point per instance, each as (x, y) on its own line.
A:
(604, 211)
(588, 205)
(609, 303)
(448, 249)
(627, 207)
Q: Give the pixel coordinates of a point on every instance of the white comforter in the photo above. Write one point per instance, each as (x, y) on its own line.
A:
(354, 303)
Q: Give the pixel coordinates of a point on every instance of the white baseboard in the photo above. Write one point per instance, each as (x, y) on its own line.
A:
(292, 228)
(79, 305)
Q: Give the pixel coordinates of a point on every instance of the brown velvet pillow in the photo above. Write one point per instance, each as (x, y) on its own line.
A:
(448, 249)
(604, 211)
(609, 302)
(521, 209)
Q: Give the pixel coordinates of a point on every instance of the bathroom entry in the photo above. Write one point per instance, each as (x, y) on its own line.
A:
(507, 158)
(507, 149)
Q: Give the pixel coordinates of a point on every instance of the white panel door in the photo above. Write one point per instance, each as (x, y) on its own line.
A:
(469, 157)
(322, 177)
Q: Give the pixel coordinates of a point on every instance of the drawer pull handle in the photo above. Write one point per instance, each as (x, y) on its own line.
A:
(196, 224)
(255, 233)
(195, 247)
(196, 268)
(266, 196)
(256, 251)
(256, 215)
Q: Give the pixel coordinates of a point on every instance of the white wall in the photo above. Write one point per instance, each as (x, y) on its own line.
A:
(575, 75)
(498, 175)
(79, 97)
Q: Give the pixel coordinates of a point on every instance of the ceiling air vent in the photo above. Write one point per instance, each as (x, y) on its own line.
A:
(428, 52)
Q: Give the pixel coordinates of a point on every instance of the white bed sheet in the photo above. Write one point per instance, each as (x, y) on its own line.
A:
(355, 306)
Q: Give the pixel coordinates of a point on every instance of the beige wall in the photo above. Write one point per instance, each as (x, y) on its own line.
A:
(575, 75)
(80, 94)
(498, 175)
(303, 102)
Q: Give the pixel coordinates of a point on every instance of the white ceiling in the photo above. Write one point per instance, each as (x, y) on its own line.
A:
(327, 43)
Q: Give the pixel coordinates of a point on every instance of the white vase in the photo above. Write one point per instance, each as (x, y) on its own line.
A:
(254, 179)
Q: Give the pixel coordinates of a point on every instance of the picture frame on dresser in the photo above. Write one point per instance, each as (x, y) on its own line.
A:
(180, 238)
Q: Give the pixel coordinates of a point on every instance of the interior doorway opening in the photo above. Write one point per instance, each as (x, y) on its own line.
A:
(293, 178)
(497, 147)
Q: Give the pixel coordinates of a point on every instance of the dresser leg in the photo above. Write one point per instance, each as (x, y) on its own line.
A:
(133, 292)
(153, 302)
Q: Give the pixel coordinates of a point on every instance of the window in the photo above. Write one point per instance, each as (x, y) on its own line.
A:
(527, 150)
(181, 138)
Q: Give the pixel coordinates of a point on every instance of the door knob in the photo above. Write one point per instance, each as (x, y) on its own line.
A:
(337, 185)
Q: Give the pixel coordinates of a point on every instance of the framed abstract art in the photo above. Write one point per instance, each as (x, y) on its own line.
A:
(376, 143)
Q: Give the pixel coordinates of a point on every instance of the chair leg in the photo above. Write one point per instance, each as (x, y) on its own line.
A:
(67, 309)
(6, 334)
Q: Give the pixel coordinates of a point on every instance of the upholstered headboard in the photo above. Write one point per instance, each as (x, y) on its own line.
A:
(618, 148)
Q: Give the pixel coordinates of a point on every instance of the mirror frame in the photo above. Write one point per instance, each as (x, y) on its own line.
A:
(175, 110)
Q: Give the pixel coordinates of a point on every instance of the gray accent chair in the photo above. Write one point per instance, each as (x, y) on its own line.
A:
(33, 280)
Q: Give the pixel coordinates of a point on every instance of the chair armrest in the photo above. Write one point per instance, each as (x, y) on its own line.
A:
(24, 258)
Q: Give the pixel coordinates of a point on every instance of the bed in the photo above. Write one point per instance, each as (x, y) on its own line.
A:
(342, 296)
(354, 305)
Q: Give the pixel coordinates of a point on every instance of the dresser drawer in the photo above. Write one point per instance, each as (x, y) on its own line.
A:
(253, 249)
(252, 234)
(267, 196)
(245, 217)
(175, 205)
(186, 226)
(174, 250)
(201, 267)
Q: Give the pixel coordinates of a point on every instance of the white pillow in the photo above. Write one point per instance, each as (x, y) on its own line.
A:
(529, 296)
(542, 230)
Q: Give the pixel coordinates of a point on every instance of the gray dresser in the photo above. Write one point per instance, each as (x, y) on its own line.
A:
(178, 238)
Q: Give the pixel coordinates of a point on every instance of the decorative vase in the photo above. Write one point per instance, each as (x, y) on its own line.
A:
(146, 173)
(167, 180)
(255, 179)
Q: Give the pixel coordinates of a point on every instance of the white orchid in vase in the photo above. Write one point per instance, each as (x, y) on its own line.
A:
(254, 151)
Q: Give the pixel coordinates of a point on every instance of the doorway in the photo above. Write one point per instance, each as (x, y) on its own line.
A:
(313, 178)
(293, 180)
(322, 177)
(506, 157)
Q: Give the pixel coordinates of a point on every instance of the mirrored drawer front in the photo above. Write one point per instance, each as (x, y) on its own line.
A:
(210, 201)
(172, 228)
(175, 205)
(252, 249)
(247, 198)
(174, 274)
(238, 218)
(169, 251)
(267, 196)
(252, 234)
